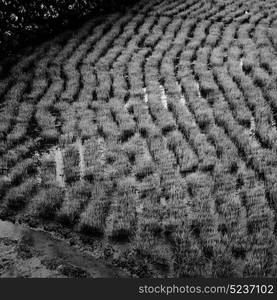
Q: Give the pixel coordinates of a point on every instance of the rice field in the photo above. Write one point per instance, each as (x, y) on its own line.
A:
(152, 133)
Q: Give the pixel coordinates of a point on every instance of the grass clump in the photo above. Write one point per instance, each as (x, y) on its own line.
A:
(47, 202)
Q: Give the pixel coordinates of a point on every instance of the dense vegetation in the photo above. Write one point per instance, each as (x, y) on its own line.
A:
(154, 128)
(23, 21)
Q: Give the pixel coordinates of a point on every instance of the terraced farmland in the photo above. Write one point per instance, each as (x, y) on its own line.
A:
(153, 136)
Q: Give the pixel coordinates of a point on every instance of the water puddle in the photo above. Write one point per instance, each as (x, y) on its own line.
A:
(251, 132)
(273, 122)
(163, 97)
(59, 166)
(184, 103)
(182, 98)
(126, 105)
(241, 63)
(198, 89)
(145, 95)
(252, 127)
(82, 159)
(39, 171)
(48, 247)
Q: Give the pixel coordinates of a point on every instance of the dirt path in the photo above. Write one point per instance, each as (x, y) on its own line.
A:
(26, 252)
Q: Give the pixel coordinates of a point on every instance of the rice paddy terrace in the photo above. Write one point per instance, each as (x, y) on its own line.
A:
(153, 133)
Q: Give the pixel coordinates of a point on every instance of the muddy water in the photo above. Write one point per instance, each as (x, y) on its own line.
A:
(48, 247)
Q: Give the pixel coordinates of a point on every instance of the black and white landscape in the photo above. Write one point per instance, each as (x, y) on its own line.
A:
(140, 142)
